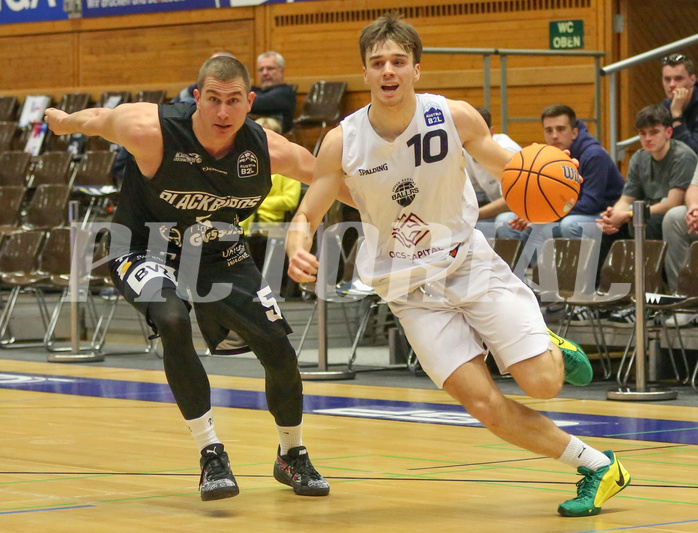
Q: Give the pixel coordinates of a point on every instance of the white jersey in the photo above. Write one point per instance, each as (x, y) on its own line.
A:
(417, 205)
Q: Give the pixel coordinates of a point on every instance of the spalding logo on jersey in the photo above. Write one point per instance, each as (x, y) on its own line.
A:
(433, 114)
(248, 165)
(404, 192)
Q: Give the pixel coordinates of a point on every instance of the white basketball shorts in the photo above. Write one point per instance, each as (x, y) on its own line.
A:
(447, 321)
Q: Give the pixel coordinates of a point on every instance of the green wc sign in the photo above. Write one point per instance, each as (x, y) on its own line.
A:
(566, 34)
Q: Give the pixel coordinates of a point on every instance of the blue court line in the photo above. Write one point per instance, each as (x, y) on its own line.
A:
(644, 429)
(47, 509)
(640, 527)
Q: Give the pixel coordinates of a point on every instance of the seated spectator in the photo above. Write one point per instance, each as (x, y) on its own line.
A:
(602, 185)
(187, 94)
(659, 174)
(274, 98)
(679, 81)
(680, 229)
(488, 189)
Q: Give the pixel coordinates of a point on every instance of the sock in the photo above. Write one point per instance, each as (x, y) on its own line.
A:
(203, 430)
(289, 437)
(579, 454)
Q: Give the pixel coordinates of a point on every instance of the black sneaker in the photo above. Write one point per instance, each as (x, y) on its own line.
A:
(217, 481)
(295, 470)
(580, 315)
(624, 317)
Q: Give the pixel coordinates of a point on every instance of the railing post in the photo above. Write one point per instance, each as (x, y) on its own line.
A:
(613, 117)
(487, 82)
(642, 391)
(76, 354)
(323, 371)
(503, 93)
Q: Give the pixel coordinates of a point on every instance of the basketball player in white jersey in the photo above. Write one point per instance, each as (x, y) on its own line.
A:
(402, 158)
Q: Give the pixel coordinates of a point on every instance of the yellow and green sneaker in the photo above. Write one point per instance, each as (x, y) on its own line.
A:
(578, 369)
(595, 488)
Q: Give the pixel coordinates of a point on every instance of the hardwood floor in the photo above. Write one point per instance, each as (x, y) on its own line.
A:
(104, 449)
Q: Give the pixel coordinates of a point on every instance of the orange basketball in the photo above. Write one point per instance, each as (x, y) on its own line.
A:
(540, 183)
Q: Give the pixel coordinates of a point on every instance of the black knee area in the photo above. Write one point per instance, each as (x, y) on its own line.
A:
(284, 388)
(170, 319)
(185, 373)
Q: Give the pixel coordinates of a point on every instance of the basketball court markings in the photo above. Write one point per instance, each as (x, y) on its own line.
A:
(405, 475)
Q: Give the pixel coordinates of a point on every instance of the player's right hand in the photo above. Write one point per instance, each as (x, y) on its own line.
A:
(302, 266)
(53, 118)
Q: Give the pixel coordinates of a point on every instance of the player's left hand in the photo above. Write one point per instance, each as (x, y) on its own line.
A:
(302, 266)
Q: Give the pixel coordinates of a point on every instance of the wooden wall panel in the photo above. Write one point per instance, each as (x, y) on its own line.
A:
(27, 62)
(147, 56)
(319, 41)
(328, 49)
(331, 48)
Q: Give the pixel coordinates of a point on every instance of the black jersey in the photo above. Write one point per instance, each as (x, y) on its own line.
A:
(194, 199)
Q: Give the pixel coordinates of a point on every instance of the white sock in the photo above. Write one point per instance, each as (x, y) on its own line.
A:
(579, 454)
(203, 430)
(289, 437)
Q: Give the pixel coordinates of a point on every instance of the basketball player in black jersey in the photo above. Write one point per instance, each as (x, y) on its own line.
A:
(195, 171)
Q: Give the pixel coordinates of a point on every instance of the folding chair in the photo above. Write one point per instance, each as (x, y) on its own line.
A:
(8, 108)
(14, 166)
(100, 282)
(154, 96)
(565, 271)
(508, 249)
(113, 98)
(51, 168)
(55, 263)
(8, 134)
(616, 290)
(11, 200)
(322, 109)
(48, 207)
(92, 179)
(19, 272)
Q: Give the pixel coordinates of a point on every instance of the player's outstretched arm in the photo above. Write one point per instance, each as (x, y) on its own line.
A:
(476, 139)
(134, 126)
(327, 181)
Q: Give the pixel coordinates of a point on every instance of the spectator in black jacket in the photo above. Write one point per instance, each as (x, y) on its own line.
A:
(679, 81)
(274, 98)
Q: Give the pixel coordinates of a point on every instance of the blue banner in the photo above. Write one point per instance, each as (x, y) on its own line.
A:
(104, 8)
(16, 11)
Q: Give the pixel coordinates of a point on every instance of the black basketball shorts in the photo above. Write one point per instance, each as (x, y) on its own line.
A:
(233, 304)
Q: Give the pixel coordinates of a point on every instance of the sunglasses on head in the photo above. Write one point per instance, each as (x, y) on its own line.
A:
(673, 59)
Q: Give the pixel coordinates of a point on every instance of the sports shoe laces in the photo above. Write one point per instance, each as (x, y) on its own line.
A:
(586, 486)
(214, 468)
(304, 467)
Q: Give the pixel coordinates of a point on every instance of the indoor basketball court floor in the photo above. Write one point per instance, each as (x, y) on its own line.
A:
(102, 447)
